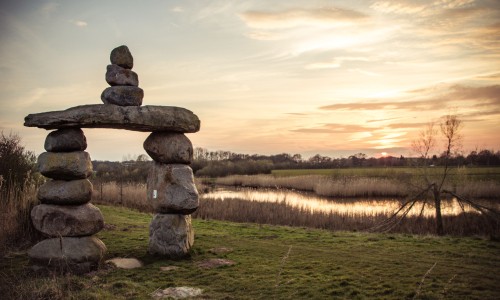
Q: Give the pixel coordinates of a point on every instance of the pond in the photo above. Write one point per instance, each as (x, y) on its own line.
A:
(349, 206)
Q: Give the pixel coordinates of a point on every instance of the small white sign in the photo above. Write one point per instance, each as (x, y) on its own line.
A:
(155, 194)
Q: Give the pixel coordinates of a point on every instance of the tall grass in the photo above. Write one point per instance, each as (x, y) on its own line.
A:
(238, 210)
(282, 213)
(17, 230)
(355, 186)
(131, 195)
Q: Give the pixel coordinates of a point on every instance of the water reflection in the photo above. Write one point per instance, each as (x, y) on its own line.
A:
(348, 207)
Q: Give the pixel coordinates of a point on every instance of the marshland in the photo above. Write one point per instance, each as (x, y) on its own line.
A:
(286, 227)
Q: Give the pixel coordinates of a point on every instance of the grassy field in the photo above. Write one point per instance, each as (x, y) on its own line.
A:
(274, 262)
(474, 173)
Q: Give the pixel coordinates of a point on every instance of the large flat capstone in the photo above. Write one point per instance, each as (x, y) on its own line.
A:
(147, 118)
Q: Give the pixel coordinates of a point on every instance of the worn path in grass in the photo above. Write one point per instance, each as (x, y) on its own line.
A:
(274, 262)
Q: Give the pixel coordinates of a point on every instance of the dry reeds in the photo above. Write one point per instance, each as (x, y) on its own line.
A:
(131, 195)
(282, 213)
(16, 203)
(238, 210)
(353, 186)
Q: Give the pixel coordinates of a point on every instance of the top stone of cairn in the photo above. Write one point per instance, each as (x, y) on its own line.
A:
(121, 56)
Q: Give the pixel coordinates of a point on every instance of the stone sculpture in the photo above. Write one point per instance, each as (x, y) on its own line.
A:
(65, 215)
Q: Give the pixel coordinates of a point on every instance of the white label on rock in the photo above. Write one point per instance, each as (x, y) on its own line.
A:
(155, 194)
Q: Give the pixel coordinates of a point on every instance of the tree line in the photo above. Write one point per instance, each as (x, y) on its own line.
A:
(17, 165)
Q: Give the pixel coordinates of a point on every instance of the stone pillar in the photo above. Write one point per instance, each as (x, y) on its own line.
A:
(172, 194)
(65, 215)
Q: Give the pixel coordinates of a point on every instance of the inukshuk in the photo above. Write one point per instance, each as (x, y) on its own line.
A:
(67, 218)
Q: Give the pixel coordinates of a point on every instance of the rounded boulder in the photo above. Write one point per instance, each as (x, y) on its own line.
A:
(65, 165)
(65, 140)
(169, 148)
(123, 95)
(67, 220)
(116, 75)
(62, 192)
(74, 254)
(171, 235)
(121, 56)
(171, 189)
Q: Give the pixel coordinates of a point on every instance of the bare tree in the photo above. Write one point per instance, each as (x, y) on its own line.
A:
(426, 143)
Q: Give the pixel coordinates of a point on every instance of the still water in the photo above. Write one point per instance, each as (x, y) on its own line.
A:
(312, 202)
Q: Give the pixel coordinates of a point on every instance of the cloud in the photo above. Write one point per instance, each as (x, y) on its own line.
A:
(492, 76)
(301, 17)
(335, 63)
(177, 9)
(433, 99)
(418, 8)
(334, 128)
(400, 7)
(382, 120)
(364, 72)
(79, 23)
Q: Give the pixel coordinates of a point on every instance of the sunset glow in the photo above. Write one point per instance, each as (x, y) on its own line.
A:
(328, 77)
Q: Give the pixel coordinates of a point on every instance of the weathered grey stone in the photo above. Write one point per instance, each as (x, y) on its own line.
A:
(121, 56)
(66, 140)
(171, 189)
(62, 192)
(116, 75)
(65, 165)
(181, 292)
(75, 254)
(169, 147)
(67, 220)
(139, 118)
(125, 263)
(123, 95)
(171, 235)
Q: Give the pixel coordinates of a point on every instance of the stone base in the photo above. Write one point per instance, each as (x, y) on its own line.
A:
(67, 254)
(171, 235)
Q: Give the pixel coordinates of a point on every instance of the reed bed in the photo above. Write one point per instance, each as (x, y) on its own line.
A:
(282, 213)
(354, 186)
(17, 230)
(131, 195)
(239, 210)
(322, 185)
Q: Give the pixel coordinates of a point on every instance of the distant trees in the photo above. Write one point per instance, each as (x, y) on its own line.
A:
(133, 170)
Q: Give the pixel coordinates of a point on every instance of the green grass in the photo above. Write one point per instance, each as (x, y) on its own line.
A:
(320, 265)
(475, 173)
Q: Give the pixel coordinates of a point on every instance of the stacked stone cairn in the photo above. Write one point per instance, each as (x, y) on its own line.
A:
(124, 83)
(172, 193)
(171, 189)
(67, 218)
(65, 215)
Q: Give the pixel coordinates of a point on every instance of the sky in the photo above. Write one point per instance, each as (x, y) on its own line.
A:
(268, 77)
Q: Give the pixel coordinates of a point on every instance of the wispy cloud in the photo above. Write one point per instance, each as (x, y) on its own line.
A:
(442, 98)
(334, 63)
(399, 7)
(177, 9)
(330, 17)
(333, 128)
(79, 23)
